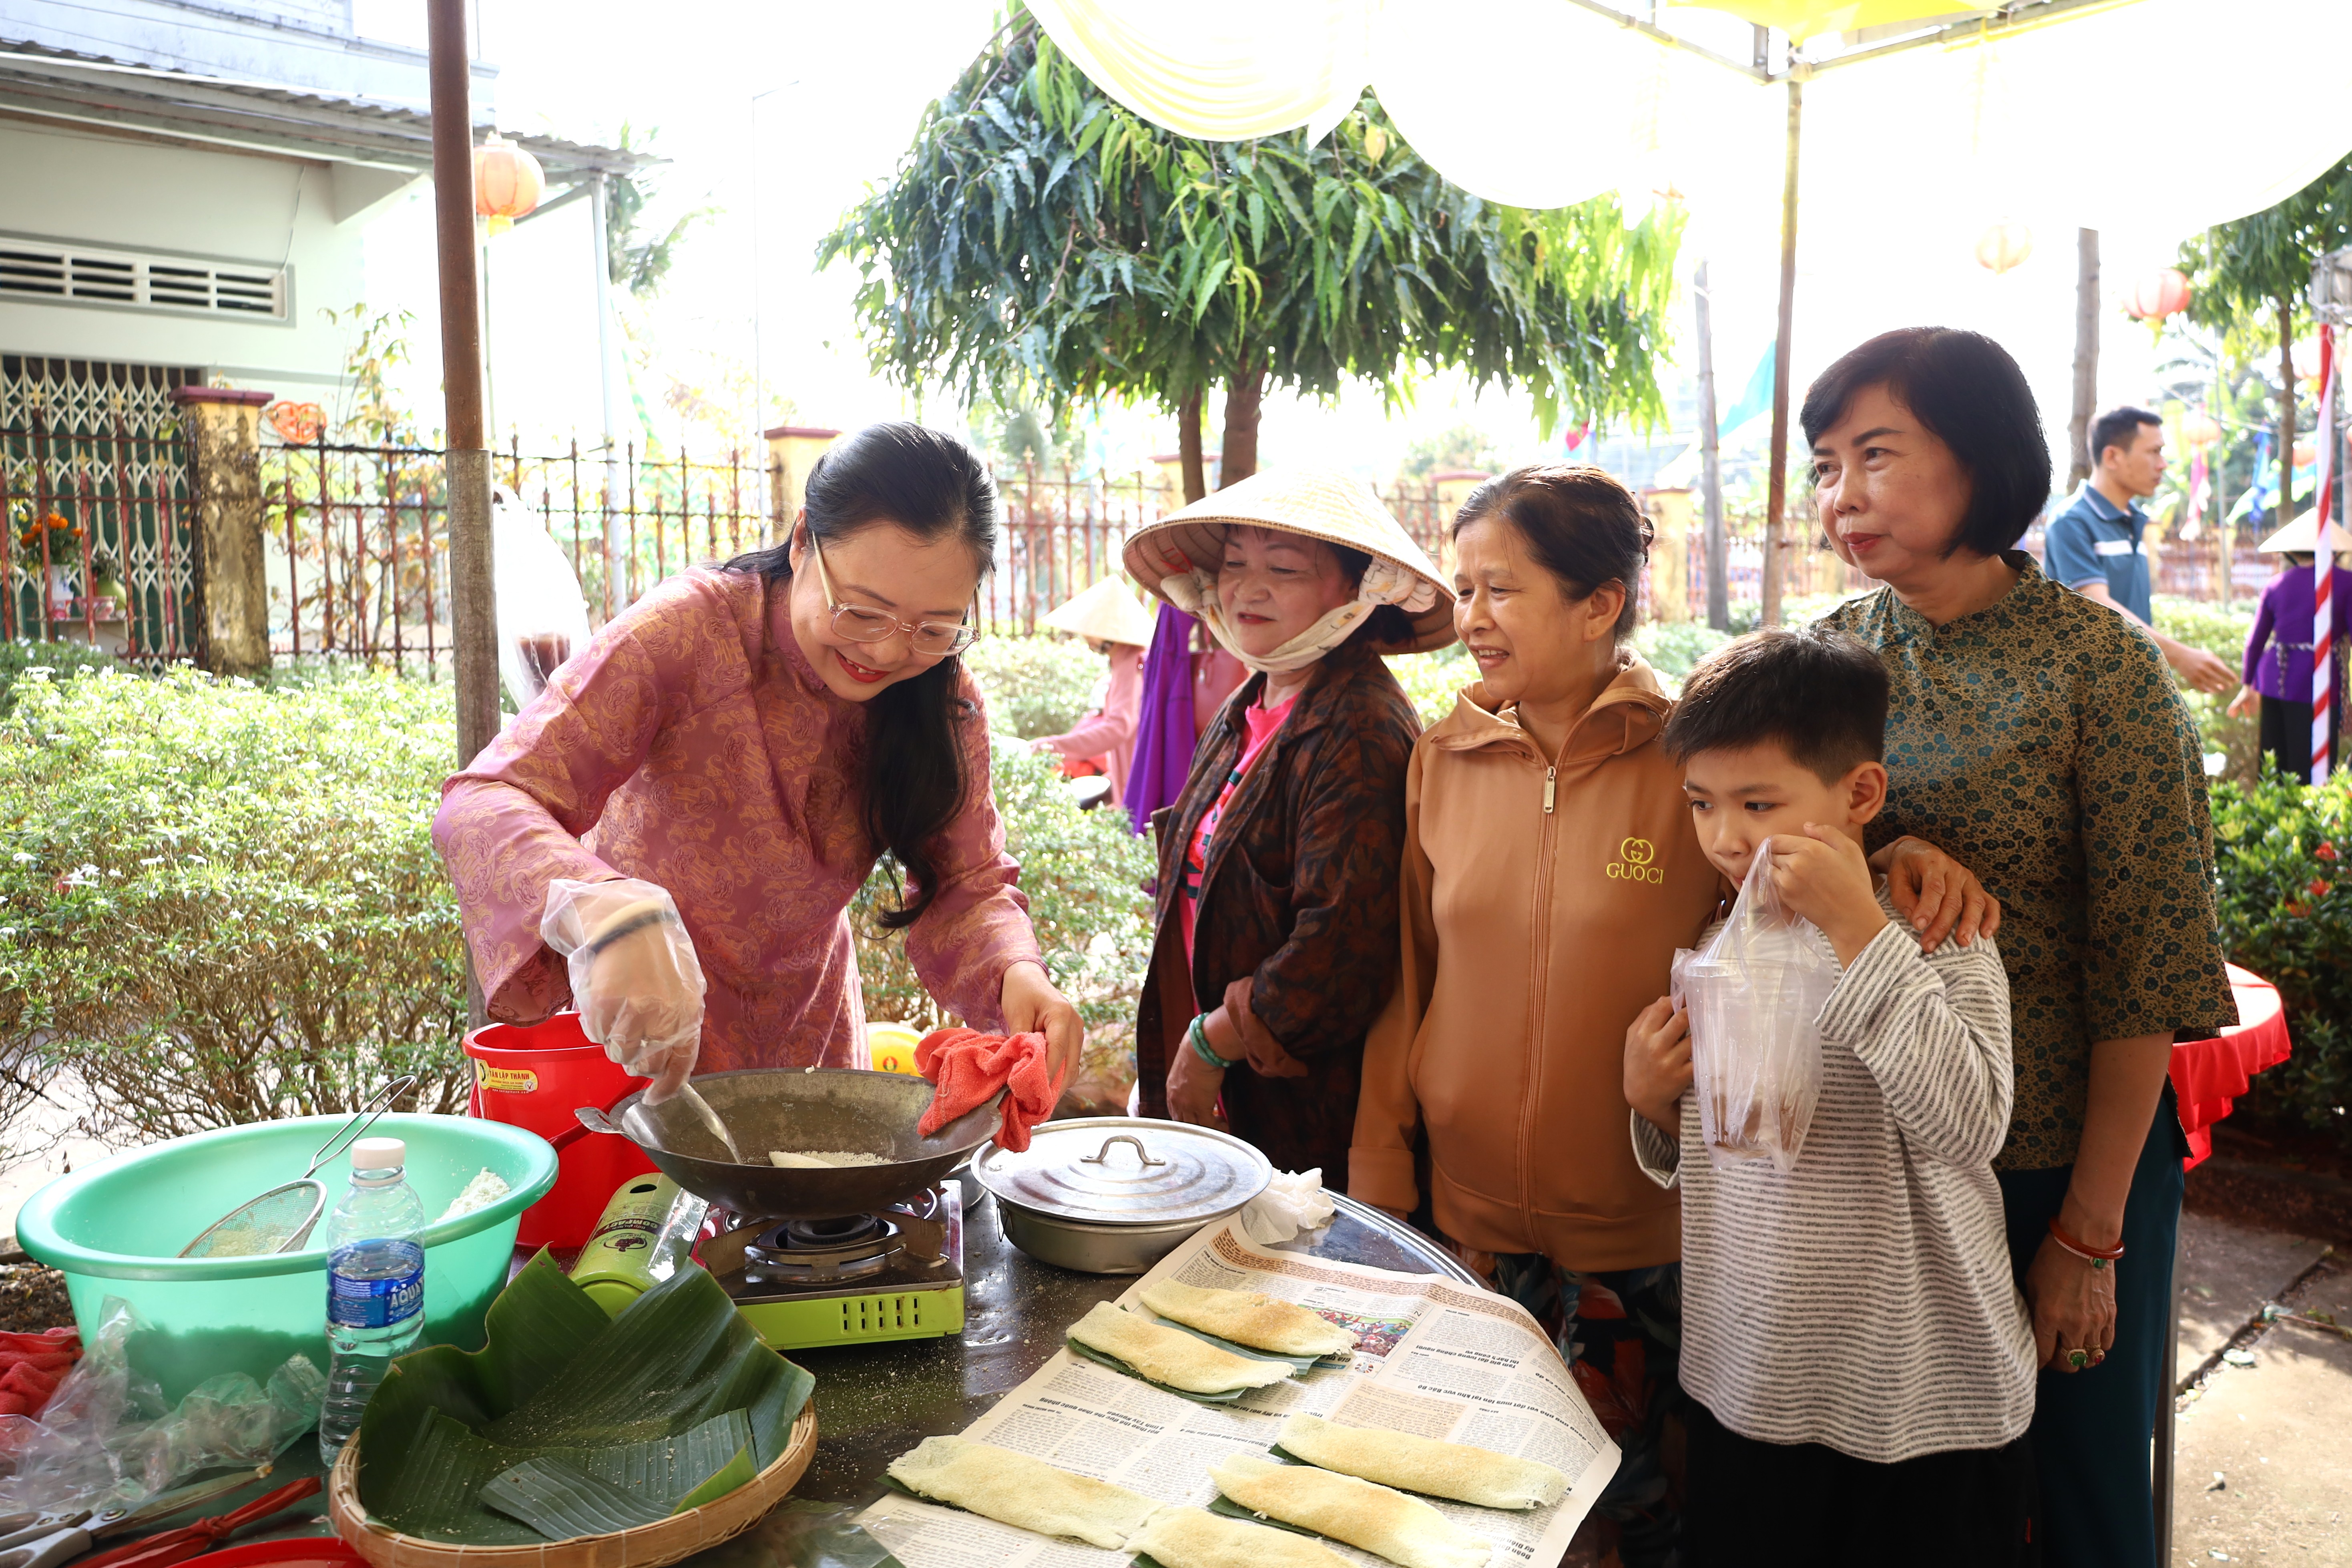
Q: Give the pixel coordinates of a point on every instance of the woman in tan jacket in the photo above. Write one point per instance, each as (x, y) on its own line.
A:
(1550, 870)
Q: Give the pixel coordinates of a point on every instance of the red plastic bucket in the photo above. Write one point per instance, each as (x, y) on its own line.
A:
(535, 1077)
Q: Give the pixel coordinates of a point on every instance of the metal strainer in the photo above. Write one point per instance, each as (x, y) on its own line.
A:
(281, 1219)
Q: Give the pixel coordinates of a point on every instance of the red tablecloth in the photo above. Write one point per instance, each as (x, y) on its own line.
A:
(2208, 1076)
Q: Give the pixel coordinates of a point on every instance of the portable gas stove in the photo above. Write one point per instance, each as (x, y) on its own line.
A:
(894, 1274)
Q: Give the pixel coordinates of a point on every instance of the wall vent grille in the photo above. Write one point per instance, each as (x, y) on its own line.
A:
(44, 269)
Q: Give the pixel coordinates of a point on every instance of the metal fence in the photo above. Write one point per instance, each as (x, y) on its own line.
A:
(357, 563)
(96, 497)
(357, 536)
(357, 557)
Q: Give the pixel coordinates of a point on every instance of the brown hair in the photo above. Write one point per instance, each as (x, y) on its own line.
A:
(1582, 524)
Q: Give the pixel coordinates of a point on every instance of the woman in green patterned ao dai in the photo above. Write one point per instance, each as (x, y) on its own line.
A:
(2038, 738)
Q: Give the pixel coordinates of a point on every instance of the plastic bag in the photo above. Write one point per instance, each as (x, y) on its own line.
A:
(1755, 998)
(105, 1437)
(635, 977)
(541, 614)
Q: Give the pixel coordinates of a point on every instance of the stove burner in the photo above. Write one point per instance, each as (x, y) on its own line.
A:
(818, 1251)
(823, 1235)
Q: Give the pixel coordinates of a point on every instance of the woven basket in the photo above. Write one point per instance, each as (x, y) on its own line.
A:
(651, 1545)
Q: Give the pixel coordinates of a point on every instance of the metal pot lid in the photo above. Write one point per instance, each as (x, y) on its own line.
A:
(1125, 1170)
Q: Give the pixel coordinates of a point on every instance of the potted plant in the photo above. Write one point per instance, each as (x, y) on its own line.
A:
(105, 593)
(51, 544)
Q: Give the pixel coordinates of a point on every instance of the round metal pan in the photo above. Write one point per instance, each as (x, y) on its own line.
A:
(800, 1112)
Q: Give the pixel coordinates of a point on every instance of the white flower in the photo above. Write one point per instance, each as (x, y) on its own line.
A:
(22, 858)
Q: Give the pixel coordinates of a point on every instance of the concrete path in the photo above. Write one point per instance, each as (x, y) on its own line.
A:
(2264, 1445)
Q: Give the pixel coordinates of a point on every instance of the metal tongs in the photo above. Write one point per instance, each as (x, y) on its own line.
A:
(294, 1208)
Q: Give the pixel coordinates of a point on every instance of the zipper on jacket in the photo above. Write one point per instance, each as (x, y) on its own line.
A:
(1539, 987)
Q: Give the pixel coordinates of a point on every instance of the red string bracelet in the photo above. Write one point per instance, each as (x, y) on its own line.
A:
(2097, 1257)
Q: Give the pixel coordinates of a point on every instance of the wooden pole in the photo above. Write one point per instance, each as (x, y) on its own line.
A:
(472, 612)
(2086, 355)
(1777, 492)
(1710, 454)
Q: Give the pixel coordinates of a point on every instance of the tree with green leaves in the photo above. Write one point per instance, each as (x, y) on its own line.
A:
(639, 258)
(1040, 241)
(2261, 266)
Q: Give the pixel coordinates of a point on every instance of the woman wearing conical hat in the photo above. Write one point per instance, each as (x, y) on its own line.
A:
(1117, 628)
(1275, 921)
(2277, 673)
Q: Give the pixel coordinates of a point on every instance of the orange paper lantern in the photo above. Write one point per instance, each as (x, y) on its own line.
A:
(2004, 245)
(2161, 294)
(507, 183)
(2199, 429)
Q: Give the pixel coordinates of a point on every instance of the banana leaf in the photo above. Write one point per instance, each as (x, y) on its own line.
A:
(560, 1380)
(559, 1501)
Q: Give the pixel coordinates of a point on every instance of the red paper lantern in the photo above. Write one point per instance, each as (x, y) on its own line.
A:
(507, 183)
(2199, 429)
(296, 424)
(2004, 245)
(2161, 294)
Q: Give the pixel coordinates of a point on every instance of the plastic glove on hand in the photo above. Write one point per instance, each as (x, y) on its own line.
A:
(635, 977)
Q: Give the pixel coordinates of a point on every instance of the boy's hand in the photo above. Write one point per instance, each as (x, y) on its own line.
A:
(1658, 1065)
(1825, 877)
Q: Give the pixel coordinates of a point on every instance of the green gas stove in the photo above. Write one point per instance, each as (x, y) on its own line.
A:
(894, 1274)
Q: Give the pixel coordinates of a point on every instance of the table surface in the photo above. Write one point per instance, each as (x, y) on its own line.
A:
(875, 1402)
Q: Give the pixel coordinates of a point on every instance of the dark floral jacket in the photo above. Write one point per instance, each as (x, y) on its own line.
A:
(1297, 915)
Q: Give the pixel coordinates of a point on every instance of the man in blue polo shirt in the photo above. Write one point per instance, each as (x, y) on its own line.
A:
(2098, 545)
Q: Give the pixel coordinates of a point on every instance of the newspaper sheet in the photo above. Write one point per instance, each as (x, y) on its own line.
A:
(1434, 1357)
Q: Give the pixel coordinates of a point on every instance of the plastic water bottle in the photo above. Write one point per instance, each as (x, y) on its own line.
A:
(375, 1285)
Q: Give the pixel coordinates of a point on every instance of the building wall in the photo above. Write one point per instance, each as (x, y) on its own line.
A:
(118, 192)
(304, 43)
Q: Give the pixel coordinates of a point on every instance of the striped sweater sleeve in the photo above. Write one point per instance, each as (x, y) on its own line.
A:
(1933, 1030)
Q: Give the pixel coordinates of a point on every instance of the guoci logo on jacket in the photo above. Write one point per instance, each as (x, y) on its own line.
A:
(1634, 862)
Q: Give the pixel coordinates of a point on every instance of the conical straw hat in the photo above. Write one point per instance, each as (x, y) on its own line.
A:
(2296, 536)
(1315, 502)
(1107, 612)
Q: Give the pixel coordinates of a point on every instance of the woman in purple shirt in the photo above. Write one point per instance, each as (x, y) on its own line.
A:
(2278, 652)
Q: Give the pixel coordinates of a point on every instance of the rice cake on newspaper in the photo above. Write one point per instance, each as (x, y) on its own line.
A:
(1017, 1490)
(1195, 1538)
(1458, 1470)
(1169, 1355)
(1404, 1529)
(1249, 1318)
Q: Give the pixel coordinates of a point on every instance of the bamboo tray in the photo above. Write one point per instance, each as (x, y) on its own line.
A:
(665, 1540)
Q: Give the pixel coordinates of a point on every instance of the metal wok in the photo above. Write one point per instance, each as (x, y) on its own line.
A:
(800, 1112)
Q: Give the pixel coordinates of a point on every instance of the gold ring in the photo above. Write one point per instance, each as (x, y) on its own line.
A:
(2077, 1358)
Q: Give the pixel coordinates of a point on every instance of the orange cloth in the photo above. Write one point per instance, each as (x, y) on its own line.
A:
(969, 1068)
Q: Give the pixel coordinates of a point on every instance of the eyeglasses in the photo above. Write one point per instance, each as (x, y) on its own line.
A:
(860, 623)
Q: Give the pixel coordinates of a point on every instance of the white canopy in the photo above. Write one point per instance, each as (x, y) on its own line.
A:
(2066, 115)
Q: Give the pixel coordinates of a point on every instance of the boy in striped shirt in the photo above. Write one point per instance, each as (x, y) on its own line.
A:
(1859, 1363)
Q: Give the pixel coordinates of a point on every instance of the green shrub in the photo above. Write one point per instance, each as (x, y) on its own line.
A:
(1040, 685)
(55, 657)
(2284, 851)
(220, 904)
(1083, 875)
(1674, 648)
(1432, 680)
(2219, 630)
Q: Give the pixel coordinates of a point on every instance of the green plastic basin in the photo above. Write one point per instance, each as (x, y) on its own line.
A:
(115, 1228)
